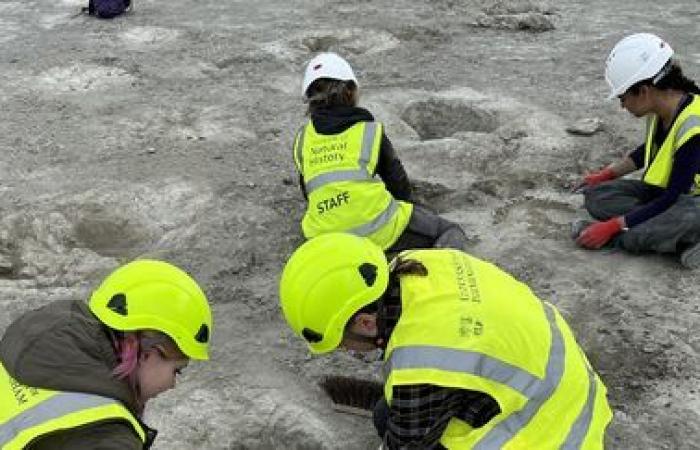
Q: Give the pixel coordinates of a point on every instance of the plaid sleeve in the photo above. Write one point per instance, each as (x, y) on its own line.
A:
(419, 414)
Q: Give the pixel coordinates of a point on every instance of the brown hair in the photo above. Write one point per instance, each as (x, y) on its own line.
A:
(398, 268)
(408, 267)
(326, 92)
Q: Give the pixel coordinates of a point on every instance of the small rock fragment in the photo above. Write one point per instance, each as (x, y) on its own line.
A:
(585, 127)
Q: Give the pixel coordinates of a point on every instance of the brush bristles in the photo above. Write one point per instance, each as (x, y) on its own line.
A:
(354, 392)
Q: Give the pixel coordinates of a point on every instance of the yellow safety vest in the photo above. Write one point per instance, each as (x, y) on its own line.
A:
(27, 413)
(658, 162)
(343, 193)
(469, 325)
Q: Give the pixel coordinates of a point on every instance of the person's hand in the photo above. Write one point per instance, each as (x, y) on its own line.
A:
(594, 178)
(599, 233)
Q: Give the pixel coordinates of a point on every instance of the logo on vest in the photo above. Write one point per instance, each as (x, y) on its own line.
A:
(469, 326)
(466, 280)
(327, 204)
(328, 152)
(21, 392)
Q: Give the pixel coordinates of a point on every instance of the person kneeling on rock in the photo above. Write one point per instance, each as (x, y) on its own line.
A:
(77, 375)
(349, 172)
(473, 359)
(660, 212)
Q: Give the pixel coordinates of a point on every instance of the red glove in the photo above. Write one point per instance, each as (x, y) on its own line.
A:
(597, 234)
(593, 178)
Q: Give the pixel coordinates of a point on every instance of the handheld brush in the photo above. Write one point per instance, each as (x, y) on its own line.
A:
(352, 395)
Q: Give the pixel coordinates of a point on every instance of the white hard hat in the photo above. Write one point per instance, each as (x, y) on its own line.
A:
(635, 58)
(327, 65)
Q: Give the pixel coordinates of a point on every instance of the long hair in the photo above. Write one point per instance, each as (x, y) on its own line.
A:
(675, 79)
(671, 77)
(326, 92)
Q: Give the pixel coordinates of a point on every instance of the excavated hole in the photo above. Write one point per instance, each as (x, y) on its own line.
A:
(319, 43)
(441, 199)
(108, 234)
(430, 195)
(441, 118)
(349, 41)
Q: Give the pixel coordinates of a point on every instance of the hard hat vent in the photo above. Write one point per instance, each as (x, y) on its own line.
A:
(369, 273)
(118, 304)
(202, 335)
(311, 335)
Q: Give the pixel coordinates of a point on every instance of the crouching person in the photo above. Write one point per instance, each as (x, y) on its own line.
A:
(350, 173)
(76, 375)
(473, 360)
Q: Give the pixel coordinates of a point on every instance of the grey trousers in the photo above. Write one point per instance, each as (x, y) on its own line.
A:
(672, 231)
(426, 229)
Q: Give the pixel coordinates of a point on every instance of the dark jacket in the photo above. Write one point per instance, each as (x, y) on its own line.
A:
(63, 346)
(686, 165)
(336, 119)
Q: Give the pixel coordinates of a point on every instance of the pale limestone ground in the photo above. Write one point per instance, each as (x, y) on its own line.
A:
(167, 133)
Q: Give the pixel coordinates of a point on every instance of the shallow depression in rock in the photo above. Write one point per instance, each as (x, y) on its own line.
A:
(440, 118)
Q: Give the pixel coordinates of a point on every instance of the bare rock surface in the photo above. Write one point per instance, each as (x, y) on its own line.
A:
(167, 133)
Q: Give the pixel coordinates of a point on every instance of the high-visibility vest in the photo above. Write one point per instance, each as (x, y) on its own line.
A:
(27, 413)
(658, 162)
(344, 195)
(469, 325)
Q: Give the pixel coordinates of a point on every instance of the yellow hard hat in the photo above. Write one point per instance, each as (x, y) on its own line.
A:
(326, 281)
(155, 295)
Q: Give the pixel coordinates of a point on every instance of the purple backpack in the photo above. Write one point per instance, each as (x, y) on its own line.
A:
(106, 9)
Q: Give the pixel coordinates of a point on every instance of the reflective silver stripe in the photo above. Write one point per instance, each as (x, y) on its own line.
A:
(363, 173)
(453, 360)
(367, 144)
(334, 177)
(300, 148)
(580, 428)
(690, 122)
(650, 153)
(505, 430)
(378, 222)
(54, 407)
(535, 389)
(649, 125)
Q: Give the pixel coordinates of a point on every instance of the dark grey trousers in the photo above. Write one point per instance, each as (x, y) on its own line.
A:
(426, 229)
(672, 231)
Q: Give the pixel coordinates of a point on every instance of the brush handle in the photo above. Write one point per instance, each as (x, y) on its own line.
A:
(345, 409)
